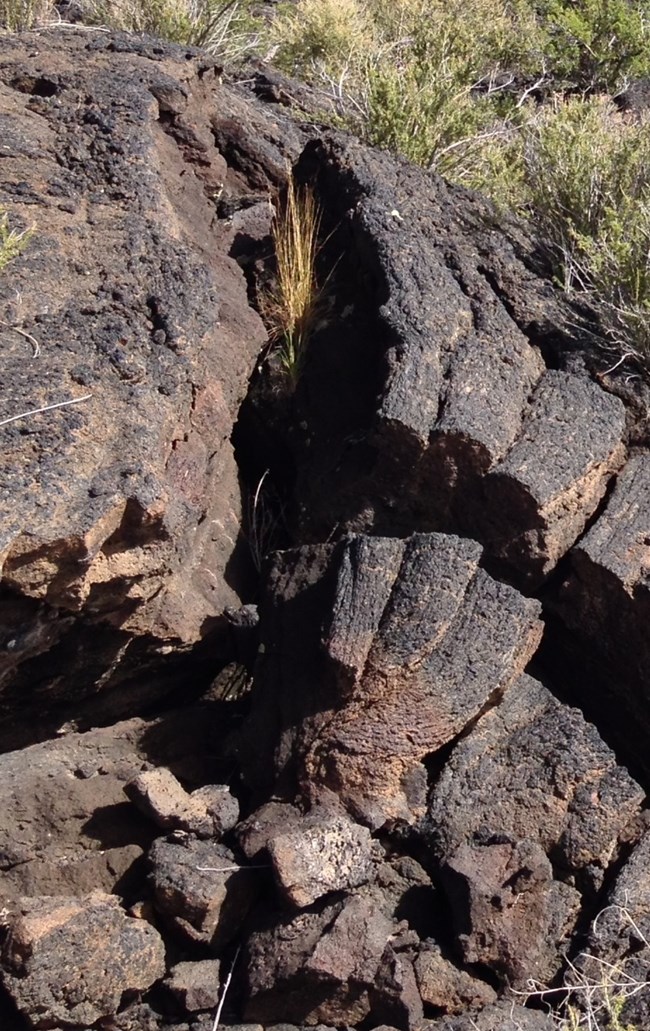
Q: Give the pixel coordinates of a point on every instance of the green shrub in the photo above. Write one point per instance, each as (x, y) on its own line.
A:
(595, 45)
(586, 177)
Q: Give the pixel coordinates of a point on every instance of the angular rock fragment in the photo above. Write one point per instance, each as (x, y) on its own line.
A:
(539, 497)
(509, 913)
(207, 812)
(280, 988)
(394, 996)
(69, 961)
(325, 852)
(195, 985)
(322, 965)
(200, 889)
(534, 768)
(257, 830)
(448, 642)
(447, 988)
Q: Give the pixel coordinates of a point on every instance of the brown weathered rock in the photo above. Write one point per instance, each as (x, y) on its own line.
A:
(321, 966)
(509, 913)
(444, 986)
(195, 985)
(200, 889)
(69, 961)
(129, 508)
(66, 827)
(534, 768)
(420, 641)
(394, 996)
(207, 812)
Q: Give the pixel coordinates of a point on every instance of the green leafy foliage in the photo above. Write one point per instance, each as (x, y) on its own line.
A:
(595, 45)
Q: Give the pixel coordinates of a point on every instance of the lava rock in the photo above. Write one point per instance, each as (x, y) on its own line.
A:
(69, 961)
(195, 985)
(208, 812)
(200, 889)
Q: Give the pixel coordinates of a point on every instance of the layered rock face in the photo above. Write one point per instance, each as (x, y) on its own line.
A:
(391, 781)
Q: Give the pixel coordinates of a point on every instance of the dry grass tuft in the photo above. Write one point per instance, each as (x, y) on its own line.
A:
(595, 991)
(19, 15)
(226, 28)
(12, 242)
(292, 307)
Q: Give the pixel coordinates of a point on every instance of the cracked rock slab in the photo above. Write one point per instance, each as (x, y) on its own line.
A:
(604, 604)
(129, 502)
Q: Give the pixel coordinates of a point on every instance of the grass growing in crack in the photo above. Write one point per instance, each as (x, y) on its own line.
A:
(291, 308)
(12, 242)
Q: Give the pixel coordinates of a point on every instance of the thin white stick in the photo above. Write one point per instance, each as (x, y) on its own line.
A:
(228, 869)
(46, 408)
(226, 986)
(23, 333)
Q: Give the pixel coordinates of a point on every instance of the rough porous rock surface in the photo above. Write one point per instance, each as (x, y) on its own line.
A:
(122, 511)
(534, 768)
(433, 376)
(325, 852)
(69, 961)
(506, 1016)
(384, 810)
(409, 642)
